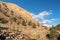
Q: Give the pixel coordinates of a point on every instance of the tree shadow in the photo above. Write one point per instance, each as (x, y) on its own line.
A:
(2, 37)
(58, 37)
(3, 28)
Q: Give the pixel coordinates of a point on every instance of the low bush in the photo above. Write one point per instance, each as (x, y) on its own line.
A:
(24, 23)
(3, 21)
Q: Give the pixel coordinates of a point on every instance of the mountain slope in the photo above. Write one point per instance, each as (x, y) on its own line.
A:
(17, 19)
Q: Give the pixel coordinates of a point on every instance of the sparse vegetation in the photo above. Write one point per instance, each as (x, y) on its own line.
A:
(3, 28)
(58, 27)
(5, 13)
(33, 39)
(14, 19)
(24, 23)
(0, 8)
(53, 34)
(0, 5)
(38, 24)
(4, 4)
(2, 20)
(20, 17)
(12, 12)
(20, 21)
(32, 24)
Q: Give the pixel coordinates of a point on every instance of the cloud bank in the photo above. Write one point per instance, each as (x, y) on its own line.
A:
(41, 17)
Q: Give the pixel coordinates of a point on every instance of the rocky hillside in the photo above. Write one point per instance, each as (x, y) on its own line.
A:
(17, 24)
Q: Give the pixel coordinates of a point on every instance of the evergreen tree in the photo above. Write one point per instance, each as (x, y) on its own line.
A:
(53, 33)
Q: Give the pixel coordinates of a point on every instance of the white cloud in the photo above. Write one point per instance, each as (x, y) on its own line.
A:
(41, 17)
(54, 19)
(43, 14)
(46, 21)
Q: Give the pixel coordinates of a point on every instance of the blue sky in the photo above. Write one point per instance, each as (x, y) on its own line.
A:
(46, 12)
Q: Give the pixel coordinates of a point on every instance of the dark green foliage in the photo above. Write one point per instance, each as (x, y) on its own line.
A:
(20, 20)
(53, 34)
(24, 23)
(14, 19)
(3, 21)
(32, 24)
(48, 35)
(58, 27)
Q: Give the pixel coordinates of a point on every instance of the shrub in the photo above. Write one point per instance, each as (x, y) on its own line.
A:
(38, 24)
(48, 36)
(34, 25)
(14, 19)
(12, 12)
(20, 20)
(3, 20)
(5, 13)
(23, 23)
(4, 4)
(0, 10)
(53, 34)
(20, 17)
(3, 28)
(6, 8)
(58, 27)
(30, 23)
